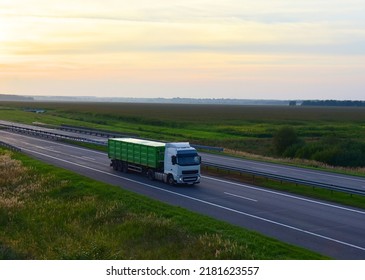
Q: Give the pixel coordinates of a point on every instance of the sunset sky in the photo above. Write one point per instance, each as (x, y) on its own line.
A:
(262, 49)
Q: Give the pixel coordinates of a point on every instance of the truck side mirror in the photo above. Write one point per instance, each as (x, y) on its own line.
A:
(173, 160)
(200, 159)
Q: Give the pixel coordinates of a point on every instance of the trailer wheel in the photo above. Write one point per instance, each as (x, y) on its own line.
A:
(119, 165)
(114, 164)
(151, 174)
(170, 180)
(125, 167)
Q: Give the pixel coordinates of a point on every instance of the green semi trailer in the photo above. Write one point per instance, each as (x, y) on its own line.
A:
(169, 162)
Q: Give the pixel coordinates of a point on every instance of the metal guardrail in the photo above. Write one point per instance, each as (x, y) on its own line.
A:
(11, 147)
(51, 135)
(95, 132)
(210, 148)
(285, 178)
(111, 134)
(99, 133)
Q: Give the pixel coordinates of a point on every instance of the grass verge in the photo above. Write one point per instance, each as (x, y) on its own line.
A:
(50, 213)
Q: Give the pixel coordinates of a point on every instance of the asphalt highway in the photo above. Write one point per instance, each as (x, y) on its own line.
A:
(55, 131)
(333, 230)
(252, 165)
(289, 171)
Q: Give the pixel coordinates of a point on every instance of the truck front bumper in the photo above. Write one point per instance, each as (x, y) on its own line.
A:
(192, 179)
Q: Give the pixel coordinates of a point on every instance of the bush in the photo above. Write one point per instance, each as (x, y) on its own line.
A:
(350, 154)
(284, 138)
(333, 151)
(291, 151)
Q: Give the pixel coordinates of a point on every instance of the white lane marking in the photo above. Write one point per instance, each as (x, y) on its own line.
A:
(286, 195)
(52, 149)
(206, 202)
(239, 196)
(88, 158)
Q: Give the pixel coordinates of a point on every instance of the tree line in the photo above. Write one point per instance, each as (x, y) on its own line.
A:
(340, 103)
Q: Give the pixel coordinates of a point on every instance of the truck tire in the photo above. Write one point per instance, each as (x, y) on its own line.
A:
(114, 164)
(150, 174)
(125, 167)
(170, 180)
(120, 165)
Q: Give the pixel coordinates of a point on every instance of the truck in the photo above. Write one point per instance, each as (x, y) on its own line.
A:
(172, 163)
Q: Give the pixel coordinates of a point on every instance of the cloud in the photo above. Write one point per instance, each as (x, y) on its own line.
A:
(236, 43)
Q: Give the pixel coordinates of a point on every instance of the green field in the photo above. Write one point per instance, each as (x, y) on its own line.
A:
(50, 213)
(329, 135)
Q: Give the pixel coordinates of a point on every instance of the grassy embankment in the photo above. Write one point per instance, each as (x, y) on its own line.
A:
(50, 213)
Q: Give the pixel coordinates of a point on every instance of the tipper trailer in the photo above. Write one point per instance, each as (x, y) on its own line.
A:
(172, 163)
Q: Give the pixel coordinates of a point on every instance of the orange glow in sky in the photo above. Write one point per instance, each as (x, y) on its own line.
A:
(222, 49)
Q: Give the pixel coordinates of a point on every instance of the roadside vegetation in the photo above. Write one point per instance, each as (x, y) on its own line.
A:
(322, 137)
(50, 213)
(329, 149)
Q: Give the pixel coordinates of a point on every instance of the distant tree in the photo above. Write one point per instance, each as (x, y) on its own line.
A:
(292, 103)
(284, 138)
(341, 103)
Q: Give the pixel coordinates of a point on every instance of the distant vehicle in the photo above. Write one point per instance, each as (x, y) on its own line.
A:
(172, 163)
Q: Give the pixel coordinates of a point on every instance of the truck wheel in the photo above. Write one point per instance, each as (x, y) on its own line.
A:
(125, 167)
(151, 174)
(120, 165)
(170, 180)
(114, 164)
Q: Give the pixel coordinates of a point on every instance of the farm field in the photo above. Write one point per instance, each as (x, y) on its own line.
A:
(331, 135)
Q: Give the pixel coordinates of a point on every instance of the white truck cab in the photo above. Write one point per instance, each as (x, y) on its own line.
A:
(182, 163)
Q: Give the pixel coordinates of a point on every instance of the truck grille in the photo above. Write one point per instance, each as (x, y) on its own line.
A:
(190, 172)
(190, 179)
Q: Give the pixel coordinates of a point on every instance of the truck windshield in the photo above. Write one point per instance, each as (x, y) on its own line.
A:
(188, 159)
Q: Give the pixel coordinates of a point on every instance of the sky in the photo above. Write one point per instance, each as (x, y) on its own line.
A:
(262, 49)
